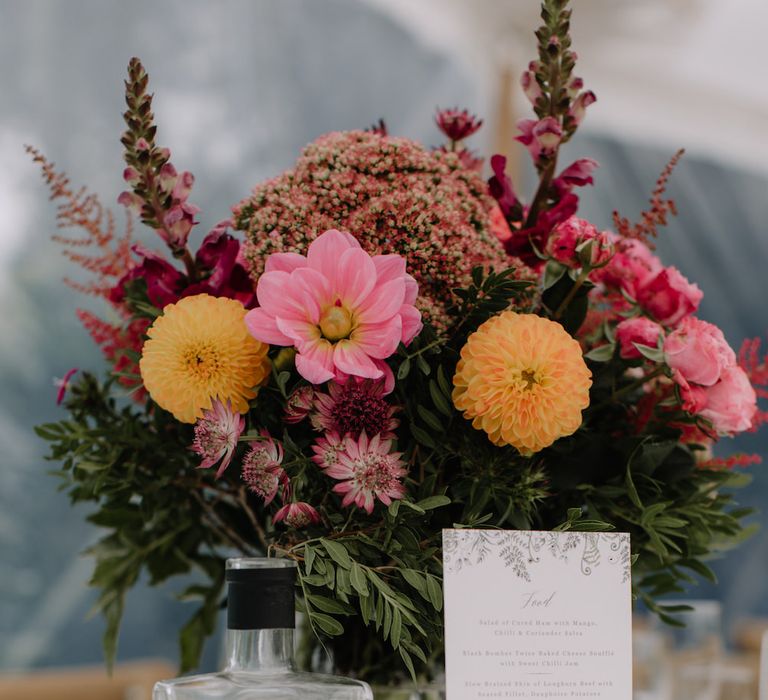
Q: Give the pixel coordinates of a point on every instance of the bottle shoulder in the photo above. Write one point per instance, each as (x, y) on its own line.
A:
(242, 685)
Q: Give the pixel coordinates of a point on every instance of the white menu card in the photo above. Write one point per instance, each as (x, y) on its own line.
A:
(533, 614)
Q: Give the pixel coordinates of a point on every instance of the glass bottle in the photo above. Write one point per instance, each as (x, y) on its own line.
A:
(260, 646)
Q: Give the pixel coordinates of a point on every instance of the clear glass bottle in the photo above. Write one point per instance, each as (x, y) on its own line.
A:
(260, 645)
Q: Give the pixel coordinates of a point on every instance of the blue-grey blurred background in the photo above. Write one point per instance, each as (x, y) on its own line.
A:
(241, 86)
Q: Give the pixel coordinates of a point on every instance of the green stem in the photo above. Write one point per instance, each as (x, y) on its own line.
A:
(630, 387)
(571, 293)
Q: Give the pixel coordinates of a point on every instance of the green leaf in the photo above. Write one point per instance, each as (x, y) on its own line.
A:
(430, 419)
(653, 354)
(435, 592)
(602, 353)
(700, 568)
(404, 369)
(423, 437)
(338, 552)
(439, 399)
(309, 558)
(328, 605)
(553, 272)
(432, 502)
(358, 580)
(328, 624)
(405, 656)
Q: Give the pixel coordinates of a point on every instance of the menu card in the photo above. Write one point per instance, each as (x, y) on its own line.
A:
(532, 614)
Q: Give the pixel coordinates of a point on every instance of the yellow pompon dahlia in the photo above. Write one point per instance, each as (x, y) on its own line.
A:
(200, 350)
(522, 379)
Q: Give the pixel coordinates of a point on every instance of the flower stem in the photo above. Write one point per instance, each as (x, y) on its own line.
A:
(571, 293)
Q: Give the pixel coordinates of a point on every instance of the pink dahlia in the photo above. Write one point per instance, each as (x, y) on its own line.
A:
(354, 407)
(397, 196)
(262, 469)
(344, 311)
(297, 515)
(368, 470)
(216, 435)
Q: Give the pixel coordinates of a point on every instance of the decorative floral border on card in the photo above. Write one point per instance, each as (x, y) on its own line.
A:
(521, 550)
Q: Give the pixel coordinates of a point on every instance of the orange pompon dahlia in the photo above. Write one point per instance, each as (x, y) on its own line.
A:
(200, 350)
(522, 379)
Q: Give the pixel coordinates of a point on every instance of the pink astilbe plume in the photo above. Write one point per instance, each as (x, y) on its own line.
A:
(344, 311)
(101, 250)
(756, 368)
(656, 216)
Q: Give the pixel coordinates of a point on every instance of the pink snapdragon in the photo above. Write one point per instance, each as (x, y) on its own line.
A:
(367, 470)
(636, 330)
(699, 351)
(216, 435)
(541, 137)
(343, 310)
(530, 85)
(669, 297)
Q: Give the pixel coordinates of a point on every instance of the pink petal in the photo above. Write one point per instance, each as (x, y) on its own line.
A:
(354, 277)
(349, 357)
(263, 327)
(326, 250)
(300, 332)
(411, 320)
(411, 290)
(383, 302)
(284, 262)
(389, 376)
(378, 340)
(276, 293)
(313, 290)
(315, 363)
(389, 267)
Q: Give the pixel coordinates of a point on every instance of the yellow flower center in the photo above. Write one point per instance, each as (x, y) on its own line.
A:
(202, 361)
(336, 323)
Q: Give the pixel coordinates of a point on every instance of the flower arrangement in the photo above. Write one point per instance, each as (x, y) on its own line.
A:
(393, 346)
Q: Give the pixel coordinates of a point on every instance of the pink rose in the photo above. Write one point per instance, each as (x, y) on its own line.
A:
(630, 268)
(636, 330)
(669, 297)
(731, 404)
(699, 351)
(567, 236)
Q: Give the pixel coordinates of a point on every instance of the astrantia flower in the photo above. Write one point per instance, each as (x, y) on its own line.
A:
(299, 404)
(327, 450)
(297, 515)
(457, 125)
(355, 407)
(262, 469)
(368, 470)
(216, 435)
(200, 350)
(522, 379)
(344, 311)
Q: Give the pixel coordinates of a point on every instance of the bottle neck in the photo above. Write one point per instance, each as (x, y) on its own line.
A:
(260, 651)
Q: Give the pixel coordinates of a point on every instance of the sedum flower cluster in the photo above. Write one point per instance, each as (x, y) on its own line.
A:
(392, 347)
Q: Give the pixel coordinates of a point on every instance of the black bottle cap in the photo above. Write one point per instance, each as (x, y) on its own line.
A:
(261, 597)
